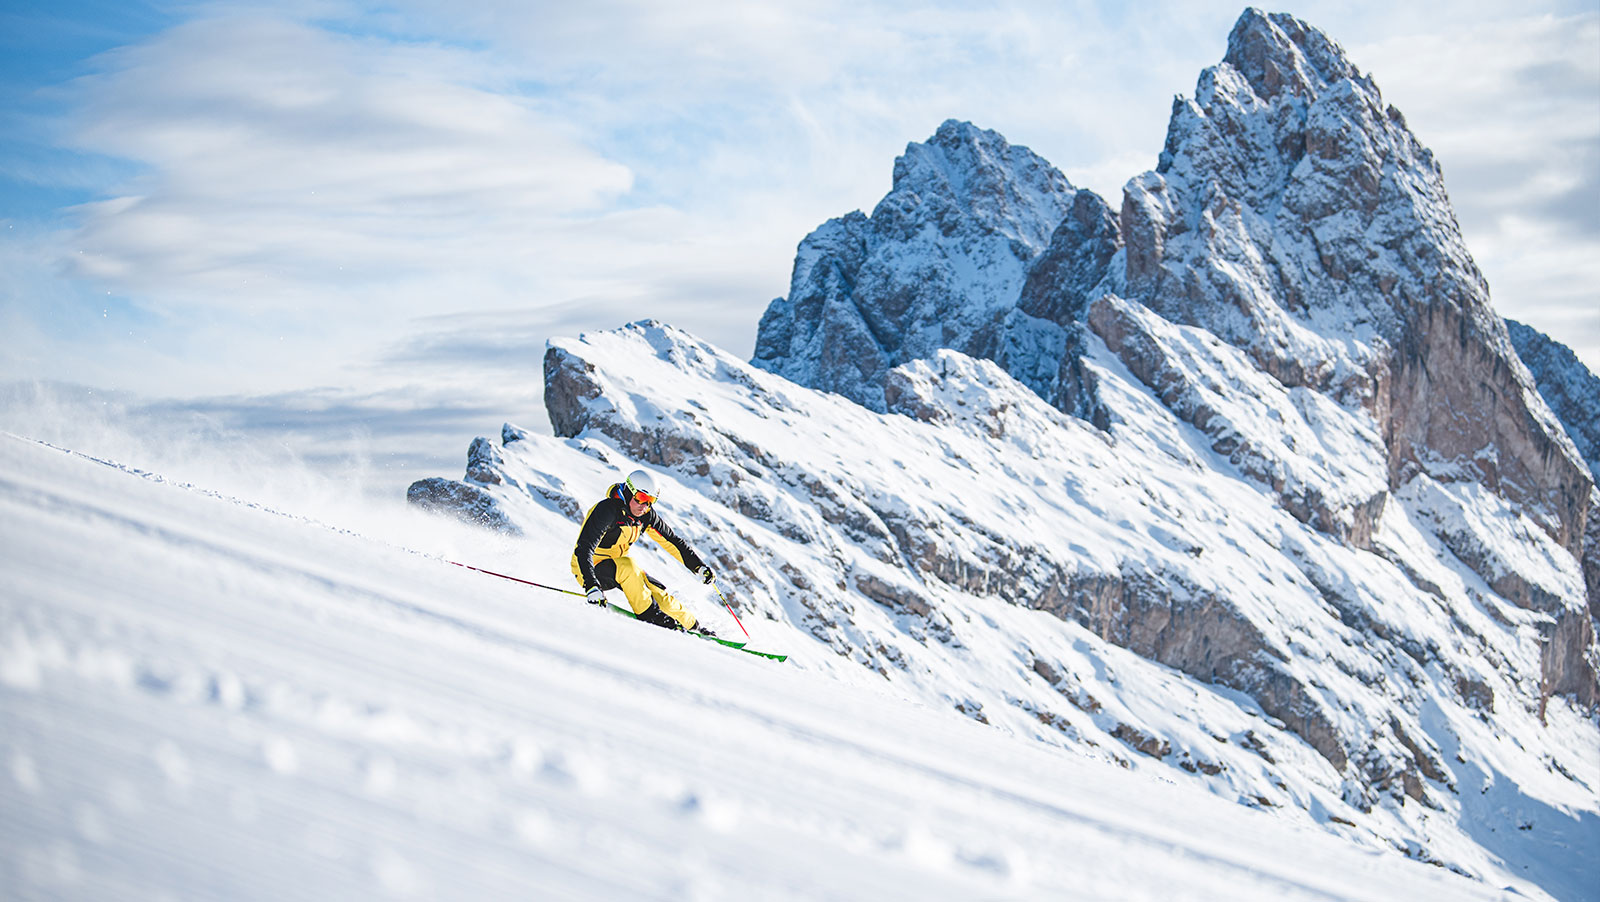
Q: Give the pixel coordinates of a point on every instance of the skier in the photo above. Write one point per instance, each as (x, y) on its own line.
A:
(600, 561)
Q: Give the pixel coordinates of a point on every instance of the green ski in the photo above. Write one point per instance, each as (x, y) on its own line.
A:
(731, 643)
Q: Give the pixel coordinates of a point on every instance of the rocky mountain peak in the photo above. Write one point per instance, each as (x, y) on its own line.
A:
(1006, 189)
(1276, 52)
(1296, 217)
(938, 264)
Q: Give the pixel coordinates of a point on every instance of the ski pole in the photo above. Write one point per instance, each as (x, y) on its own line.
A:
(526, 582)
(529, 582)
(730, 611)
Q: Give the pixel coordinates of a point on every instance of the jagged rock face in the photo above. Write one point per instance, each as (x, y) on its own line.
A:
(484, 462)
(1571, 390)
(1042, 344)
(938, 264)
(1573, 393)
(1294, 216)
(1591, 557)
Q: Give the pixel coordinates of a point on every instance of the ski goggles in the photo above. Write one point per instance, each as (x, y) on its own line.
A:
(644, 497)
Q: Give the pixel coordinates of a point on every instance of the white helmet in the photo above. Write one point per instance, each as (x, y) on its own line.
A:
(641, 487)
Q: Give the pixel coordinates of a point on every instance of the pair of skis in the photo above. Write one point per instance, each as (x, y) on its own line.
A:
(730, 643)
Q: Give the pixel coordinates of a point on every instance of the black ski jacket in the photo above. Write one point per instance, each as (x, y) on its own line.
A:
(609, 530)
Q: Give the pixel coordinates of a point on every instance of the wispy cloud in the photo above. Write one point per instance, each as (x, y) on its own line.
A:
(280, 157)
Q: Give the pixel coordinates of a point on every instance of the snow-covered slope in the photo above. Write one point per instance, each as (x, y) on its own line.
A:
(204, 698)
(1131, 596)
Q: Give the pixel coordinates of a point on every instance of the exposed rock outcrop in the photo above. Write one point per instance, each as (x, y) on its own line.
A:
(1571, 390)
(468, 503)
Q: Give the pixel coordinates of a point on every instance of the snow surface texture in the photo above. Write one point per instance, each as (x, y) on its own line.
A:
(1132, 597)
(204, 698)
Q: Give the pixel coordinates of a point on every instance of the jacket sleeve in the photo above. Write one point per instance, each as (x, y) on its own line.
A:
(664, 535)
(600, 518)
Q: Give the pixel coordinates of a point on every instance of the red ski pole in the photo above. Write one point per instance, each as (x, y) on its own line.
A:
(730, 611)
(526, 582)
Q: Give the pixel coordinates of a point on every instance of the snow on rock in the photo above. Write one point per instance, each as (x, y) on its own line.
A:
(1043, 341)
(1326, 463)
(939, 263)
(1292, 215)
(986, 552)
(1572, 392)
(1295, 216)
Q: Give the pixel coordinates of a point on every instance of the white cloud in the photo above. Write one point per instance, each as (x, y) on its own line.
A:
(282, 158)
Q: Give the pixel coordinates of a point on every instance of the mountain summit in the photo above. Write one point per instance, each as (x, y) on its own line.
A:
(937, 265)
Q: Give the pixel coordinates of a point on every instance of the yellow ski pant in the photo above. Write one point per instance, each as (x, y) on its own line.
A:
(641, 589)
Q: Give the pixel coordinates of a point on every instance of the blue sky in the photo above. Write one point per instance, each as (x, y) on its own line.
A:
(309, 220)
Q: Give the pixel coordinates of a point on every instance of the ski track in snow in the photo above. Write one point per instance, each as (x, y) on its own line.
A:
(203, 698)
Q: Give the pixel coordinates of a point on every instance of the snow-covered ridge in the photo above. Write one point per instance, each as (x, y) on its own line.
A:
(987, 552)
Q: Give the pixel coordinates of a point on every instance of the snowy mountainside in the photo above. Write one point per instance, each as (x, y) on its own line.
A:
(1131, 595)
(204, 697)
(1573, 394)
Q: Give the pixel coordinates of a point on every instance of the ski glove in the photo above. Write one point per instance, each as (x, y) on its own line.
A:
(705, 574)
(595, 596)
